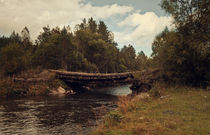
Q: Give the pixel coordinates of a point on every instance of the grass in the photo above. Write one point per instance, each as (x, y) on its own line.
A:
(177, 111)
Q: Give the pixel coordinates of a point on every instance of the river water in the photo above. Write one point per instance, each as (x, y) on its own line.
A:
(58, 115)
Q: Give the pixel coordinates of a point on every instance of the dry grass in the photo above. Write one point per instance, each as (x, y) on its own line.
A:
(36, 82)
(125, 105)
(37, 74)
(9, 88)
(179, 111)
(32, 82)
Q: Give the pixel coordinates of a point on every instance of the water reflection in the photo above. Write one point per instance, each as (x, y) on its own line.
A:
(121, 90)
(54, 115)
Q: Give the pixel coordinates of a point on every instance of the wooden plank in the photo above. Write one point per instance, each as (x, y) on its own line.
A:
(90, 74)
(80, 76)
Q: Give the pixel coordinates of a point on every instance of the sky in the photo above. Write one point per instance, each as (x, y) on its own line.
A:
(134, 22)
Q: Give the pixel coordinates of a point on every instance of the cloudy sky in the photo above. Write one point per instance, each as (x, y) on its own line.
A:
(135, 22)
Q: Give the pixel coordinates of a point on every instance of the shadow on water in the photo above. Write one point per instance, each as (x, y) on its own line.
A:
(72, 114)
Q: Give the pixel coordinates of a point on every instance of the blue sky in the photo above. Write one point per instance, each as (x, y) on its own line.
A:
(143, 5)
(134, 22)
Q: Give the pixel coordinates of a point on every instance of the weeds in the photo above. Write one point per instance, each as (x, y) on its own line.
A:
(125, 105)
(154, 92)
(113, 119)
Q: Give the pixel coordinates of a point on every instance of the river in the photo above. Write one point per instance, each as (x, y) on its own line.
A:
(58, 115)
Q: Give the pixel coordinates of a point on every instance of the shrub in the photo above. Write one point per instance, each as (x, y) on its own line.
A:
(12, 59)
(154, 92)
(113, 119)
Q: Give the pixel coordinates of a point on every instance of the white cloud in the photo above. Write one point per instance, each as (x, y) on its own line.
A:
(143, 29)
(138, 29)
(16, 14)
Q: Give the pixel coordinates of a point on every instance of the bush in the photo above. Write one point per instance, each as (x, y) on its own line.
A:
(113, 119)
(13, 59)
(155, 91)
(7, 87)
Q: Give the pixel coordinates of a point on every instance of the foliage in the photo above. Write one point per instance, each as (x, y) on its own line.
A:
(154, 92)
(113, 118)
(6, 87)
(90, 48)
(142, 61)
(183, 54)
(13, 59)
(128, 54)
(55, 50)
(14, 38)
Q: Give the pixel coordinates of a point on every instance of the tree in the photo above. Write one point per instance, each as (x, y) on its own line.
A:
(4, 41)
(13, 59)
(183, 54)
(44, 36)
(90, 48)
(129, 55)
(96, 46)
(55, 49)
(15, 38)
(65, 44)
(191, 17)
(141, 61)
(92, 25)
(102, 30)
(25, 37)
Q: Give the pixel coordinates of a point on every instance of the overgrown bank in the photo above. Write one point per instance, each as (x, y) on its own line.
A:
(30, 83)
(174, 110)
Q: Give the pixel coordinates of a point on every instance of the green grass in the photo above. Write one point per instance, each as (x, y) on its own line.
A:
(179, 111)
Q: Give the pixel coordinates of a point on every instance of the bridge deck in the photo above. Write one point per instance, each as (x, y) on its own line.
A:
(65, 75)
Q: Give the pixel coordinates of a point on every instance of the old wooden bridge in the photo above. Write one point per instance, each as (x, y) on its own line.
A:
(93, 78)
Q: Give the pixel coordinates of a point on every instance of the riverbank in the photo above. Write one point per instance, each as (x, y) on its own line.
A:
(30, 83)
(174, 110)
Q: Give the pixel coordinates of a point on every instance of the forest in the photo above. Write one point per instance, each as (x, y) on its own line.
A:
(182, 53)
(90, 48)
